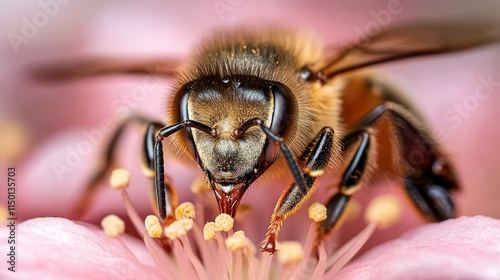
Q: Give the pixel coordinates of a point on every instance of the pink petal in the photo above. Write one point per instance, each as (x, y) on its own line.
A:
(463, 248)
(56, 248)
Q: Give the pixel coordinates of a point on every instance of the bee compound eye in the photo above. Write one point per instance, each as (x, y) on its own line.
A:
(284, 108)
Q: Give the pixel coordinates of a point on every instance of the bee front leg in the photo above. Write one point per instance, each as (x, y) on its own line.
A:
(162, 192)
(317, 157)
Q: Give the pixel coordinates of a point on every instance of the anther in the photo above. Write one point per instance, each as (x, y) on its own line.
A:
(290, 252)
(185, 211)
(153, 226)
(112, 225)
(178, 228)
(317, 212)
(385, 210)
(224, 222)
(120, 179)
(209, 231)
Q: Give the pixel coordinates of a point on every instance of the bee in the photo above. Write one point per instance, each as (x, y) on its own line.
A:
(253, 102)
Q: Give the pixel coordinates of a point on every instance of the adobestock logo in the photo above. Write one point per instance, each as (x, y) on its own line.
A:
(470, 103)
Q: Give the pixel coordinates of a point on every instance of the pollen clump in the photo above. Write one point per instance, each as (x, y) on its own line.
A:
(317, 212)
(290, 252)
(224, 222)
(178, 228)
(112, 225)
(120, 178)
(153, 226)
(185, 210)
(238, 241)
(209, 231)
(385, 210)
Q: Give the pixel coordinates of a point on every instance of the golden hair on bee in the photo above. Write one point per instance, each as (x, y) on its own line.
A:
(273, 54)
(252, 102)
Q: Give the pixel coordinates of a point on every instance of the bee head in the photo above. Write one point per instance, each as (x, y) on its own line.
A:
(232, 160)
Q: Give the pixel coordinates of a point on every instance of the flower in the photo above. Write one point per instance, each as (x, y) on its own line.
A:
(59, 128)
(57, 248)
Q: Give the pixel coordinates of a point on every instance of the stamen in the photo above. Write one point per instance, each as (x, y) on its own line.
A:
(317, 212)
(185, 210)
(112, 225)
(385, 210)
(198, 267)
(178, 228)
(223, 255)
(161, 259)
(182, 259)
(153, 226)
(120, 179)
(235, 243)
(238, 241)
(206, 252)
(310, 237)
(209, 231)
(320, 269)
(224, 222)
(290, 252)
(265, 264)
(345, 253)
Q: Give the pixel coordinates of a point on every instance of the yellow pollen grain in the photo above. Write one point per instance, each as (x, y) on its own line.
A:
(120, 178)
(209, 231)
(317, 212)
(290, 252)
(112, 225)
(238, 241)
(385, 210)
(224, 222)
(178, 228)
(199, 185)
(185, 210)
(153, 226)
(239, 233)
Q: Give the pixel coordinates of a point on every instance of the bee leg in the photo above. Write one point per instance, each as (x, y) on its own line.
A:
(428, 175)
(164, 199)
(165, 195)
(83, 204)
(317, 156)
(356, 172)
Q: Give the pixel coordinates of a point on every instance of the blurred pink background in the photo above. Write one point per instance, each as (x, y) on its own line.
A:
(57, 118)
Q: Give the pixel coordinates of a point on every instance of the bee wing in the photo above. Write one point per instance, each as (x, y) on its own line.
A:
(412, 40)
(69, 69)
